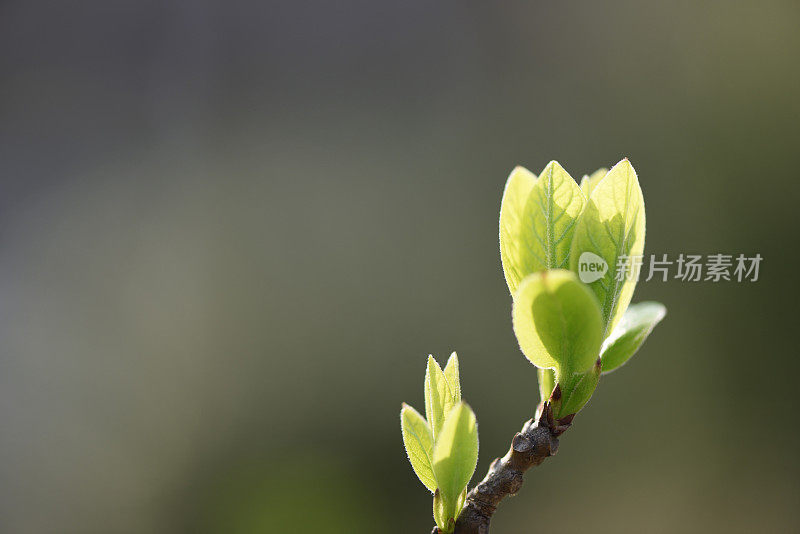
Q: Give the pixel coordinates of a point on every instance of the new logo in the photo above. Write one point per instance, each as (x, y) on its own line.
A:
(591, 267)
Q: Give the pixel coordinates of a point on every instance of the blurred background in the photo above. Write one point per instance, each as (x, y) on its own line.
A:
(231, 232)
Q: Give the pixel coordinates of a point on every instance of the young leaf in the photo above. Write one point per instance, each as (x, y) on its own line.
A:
(455, 456)
(547, 381)
(637, 323)
(419, 444)
(552, 209)
(462, 499)
(612, 227)
(557, 322)
(576, 390)
(438, 397)
(440, 515)
(588, 183)
(512, 214)
(453, 379)
(445, 519)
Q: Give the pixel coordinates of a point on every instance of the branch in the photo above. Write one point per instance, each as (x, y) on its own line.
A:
(530, 447)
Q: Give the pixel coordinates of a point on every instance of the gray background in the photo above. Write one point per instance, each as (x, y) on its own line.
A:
(232, 231)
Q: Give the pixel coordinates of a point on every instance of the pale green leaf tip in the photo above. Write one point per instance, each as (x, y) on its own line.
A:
(519, 169)
(518, 173)
(404, 406)
(452, 376)
(452, 363)
(429, 366)
(625, 162)
(662, 310)
(590, 181)
(552, 165)
(659, 309)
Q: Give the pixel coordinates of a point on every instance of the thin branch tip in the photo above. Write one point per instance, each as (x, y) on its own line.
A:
(537, 441)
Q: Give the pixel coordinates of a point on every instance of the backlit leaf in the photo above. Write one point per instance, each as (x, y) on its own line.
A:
(438, 397)
(588, 183)
(419, 444)
(612, 227)
(451, 373)
(551, 212)
(536, 235)
(547, 381)
(637, 323)
(455, 456)
(440, 515)
(557, 322)
(512, 215)
(576, 390)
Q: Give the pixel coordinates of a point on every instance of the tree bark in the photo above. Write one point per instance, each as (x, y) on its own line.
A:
(537, 441)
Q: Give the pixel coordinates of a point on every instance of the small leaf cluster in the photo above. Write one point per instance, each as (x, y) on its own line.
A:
(442, 446)
(572, 331)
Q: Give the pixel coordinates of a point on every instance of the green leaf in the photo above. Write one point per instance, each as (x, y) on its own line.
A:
(637, 323)
(453, 380)
(538, 236)
(440, 515)
(552, 209)
(438, 397)
(547, 381)
(444, 518)
(576, 390)
(455, 456)
(419, 444)
(588, 183)
(557, 322)
(611, 227)
(462, 500)
(512, 215)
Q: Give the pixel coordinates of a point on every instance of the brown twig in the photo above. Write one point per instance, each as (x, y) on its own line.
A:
(537, 441)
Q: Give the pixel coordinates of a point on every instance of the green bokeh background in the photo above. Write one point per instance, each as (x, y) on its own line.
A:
(232, 232)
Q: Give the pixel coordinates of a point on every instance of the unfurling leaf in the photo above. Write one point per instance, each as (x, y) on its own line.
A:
(451, 373)
(588, 183)
(637, 323)
(552, 209)
(455, 456)
(419, 445)
(538, 237)
(438, 397)
(547, 381)
(440, 515)
(557, 322)
(575, 391)
(445, 519)
(612, 227)
(512, 214)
